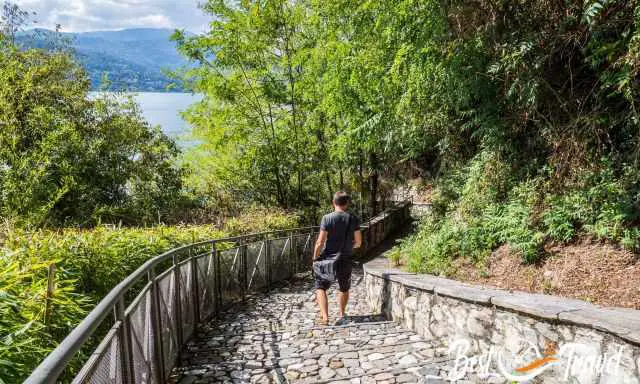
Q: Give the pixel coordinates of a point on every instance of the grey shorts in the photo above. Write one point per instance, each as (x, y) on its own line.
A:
(343, 269)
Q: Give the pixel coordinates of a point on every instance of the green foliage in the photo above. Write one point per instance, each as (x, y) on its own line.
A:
(601, 205)
(89, 263)
(262, 220)
(69, 159)
(28, 332)
(395, 256)
(477, 221)
(303, 98)
(249, 119)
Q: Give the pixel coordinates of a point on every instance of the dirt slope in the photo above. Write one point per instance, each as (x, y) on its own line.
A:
(598, 273)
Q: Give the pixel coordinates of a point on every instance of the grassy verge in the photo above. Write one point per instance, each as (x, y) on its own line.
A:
(35, 315)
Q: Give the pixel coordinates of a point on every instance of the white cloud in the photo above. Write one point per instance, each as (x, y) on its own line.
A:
(91, 15)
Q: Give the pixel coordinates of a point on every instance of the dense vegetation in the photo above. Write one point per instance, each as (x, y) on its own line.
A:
(524, 114)
(68, 159)
(81, 180)
(87, 265)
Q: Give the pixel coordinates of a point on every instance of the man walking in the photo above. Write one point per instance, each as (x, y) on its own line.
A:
(339, 233)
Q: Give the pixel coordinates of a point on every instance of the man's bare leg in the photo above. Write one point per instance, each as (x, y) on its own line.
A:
(343, 299)
(321, 298)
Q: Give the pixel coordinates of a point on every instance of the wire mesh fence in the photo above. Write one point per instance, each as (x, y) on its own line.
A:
(168, 319)
(196, 283)
(141, 336)
(104, 365)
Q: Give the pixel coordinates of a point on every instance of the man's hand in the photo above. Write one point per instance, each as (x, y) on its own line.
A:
(357, 239)
(322, 238)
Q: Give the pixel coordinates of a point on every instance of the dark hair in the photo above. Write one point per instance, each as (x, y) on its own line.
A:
(341, 198)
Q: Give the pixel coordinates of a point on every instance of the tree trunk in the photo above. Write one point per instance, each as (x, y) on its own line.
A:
(361, 182)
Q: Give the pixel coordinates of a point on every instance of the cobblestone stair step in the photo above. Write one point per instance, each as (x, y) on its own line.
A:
(224, 332)
(430, 372)
(369, 361)
(286, 351)
(260, 323)
(399, 366)
(285, 343)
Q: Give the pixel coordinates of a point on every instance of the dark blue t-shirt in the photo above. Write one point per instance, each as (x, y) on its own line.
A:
(335, 223)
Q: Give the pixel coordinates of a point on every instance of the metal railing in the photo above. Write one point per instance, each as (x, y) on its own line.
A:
(181, 288)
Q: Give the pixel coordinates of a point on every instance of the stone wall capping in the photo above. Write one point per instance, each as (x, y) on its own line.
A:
(536, 305)
(464, 292)
(419, 282)
(621, 322)
(381, 267)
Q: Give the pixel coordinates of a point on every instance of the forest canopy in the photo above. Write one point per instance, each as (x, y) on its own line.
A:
(520, 109)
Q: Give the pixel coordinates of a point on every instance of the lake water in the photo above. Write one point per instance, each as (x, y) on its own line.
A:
(164, 109)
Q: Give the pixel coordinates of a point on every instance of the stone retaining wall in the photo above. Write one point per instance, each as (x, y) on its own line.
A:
(376, 230)
(494, 323)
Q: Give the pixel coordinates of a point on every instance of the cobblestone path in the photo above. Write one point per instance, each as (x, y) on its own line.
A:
(273, 339)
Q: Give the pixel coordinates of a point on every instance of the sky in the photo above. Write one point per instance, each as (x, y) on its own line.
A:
(99, 15)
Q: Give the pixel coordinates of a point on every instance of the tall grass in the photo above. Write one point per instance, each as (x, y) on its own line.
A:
(50, 280)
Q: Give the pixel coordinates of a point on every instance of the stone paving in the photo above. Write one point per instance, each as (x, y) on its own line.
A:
(273, 339)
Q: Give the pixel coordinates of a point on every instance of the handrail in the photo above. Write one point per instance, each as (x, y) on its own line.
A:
(53, 365)
(56, 362)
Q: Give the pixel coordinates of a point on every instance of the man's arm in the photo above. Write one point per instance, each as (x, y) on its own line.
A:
(357, 239)
(322, 238)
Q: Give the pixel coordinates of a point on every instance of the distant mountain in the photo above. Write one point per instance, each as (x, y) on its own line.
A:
(133, 59)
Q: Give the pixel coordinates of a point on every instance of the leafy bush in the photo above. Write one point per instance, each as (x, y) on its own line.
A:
(486, 215)
(601, 205)
(262, 219)
(66, 157)
(631, 240)
(89, 263)
(31, 321)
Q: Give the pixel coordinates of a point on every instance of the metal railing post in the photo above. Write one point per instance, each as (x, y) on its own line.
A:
(292, 255)
(124, 342)
(216, 298)
(176, 296)
(267, 257)
(369, 235)
(312, 247)
(195, 288)
(156, 325)
(243, 271)
(217, 284)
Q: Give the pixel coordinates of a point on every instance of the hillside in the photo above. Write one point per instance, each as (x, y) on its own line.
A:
(134, 59)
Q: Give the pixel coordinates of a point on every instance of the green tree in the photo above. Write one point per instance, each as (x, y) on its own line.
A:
(250, 117)
(66, 157)
(305, 97)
